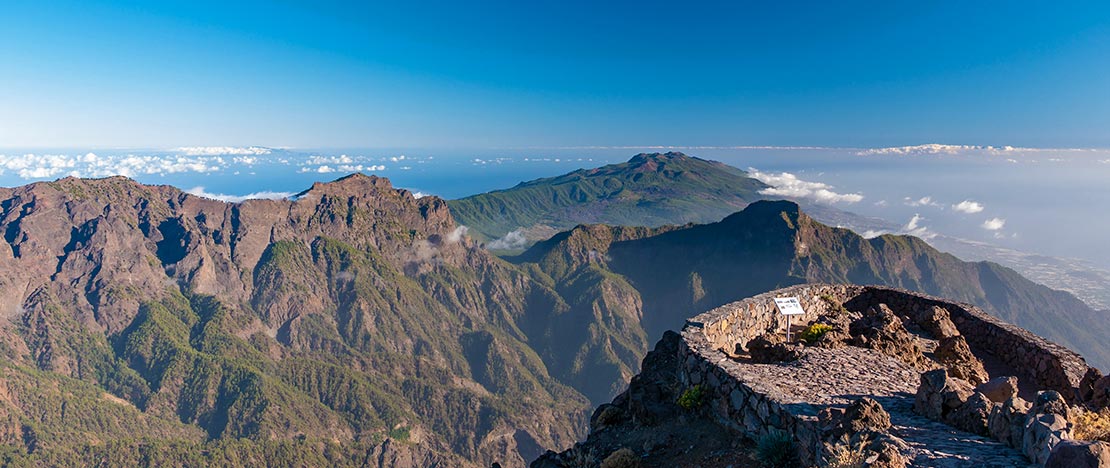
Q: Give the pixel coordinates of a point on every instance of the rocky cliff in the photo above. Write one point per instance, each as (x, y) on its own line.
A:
(353, 315)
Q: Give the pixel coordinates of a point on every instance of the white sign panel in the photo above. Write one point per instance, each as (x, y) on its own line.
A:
(789, 306)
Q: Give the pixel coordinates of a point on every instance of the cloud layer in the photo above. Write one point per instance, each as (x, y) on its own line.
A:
(514, 240)
(222, 150)
(267, 195)
(788, 185)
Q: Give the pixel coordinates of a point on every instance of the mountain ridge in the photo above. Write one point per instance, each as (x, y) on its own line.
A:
(648, 190)
(358, 320)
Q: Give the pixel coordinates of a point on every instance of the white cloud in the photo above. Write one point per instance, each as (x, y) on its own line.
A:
(933, 149)
(968, 206)
(871, 233)
(457, 234)
(917, 150)
(318, 160)
(222, 150)
(788, 185)
(32, 166)
(994, 224)
(512, 241)
(915, 228)
(923, 201)
(267, 195)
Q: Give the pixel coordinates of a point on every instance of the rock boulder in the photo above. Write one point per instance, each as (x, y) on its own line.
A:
(999, 389)
(1007, 421)
(881, 329)
(954, 353)
(1077, 454)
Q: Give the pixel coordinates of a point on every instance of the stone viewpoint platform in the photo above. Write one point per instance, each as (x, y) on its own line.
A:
(755, 397)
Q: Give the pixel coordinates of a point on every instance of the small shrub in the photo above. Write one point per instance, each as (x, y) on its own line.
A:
(1091, 425)
(814, 332)
(400, 434)
(834, 305)
(623, 458)
(849, 455)
(775, 449)
(692, 398)
(610, 415)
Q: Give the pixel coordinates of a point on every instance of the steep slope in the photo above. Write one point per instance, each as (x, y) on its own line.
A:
(355, 323)
(676, 272)
(648, 190)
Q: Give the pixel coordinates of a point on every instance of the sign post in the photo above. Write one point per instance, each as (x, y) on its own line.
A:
(789, 306)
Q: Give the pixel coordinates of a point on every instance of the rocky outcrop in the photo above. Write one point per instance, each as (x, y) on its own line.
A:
(954, 353)
(1007, 422)
(815, 397)
(771, 348)
(1074, 454)
(863, 415)
(936, 321)
(943, 397)
(999, 389)
(1046, 426)
(880, 329)
(645, 422)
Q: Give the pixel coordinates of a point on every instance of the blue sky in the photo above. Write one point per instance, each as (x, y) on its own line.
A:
(544, 74)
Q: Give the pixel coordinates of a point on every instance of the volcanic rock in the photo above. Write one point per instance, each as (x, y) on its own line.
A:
(954, 353)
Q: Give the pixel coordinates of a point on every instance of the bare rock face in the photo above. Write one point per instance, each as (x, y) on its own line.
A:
(1077, 454)
(770, 348)
(973, 415)
(944, 398)
(1046, 426)
(1086, 389)
(863, 422)
(1050, 402)
(833, 339)
(886, 455)
(939, 394)
(863, 415)
(999, 389)
(1007, 421)
(954, 353)
(937, 322)
(881, 329)
(1100, 393)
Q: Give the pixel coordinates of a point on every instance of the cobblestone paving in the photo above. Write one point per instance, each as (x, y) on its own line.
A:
(825, 377)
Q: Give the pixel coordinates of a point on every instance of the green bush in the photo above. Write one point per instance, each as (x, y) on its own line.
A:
(814, 332)
(775, 449)
(692, 398)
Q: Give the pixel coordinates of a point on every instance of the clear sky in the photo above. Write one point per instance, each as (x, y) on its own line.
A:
(534, 74)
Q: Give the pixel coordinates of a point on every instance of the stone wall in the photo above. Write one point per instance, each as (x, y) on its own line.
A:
(1047, 365)
(735, 404)
(739, 322)
(708, 339)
